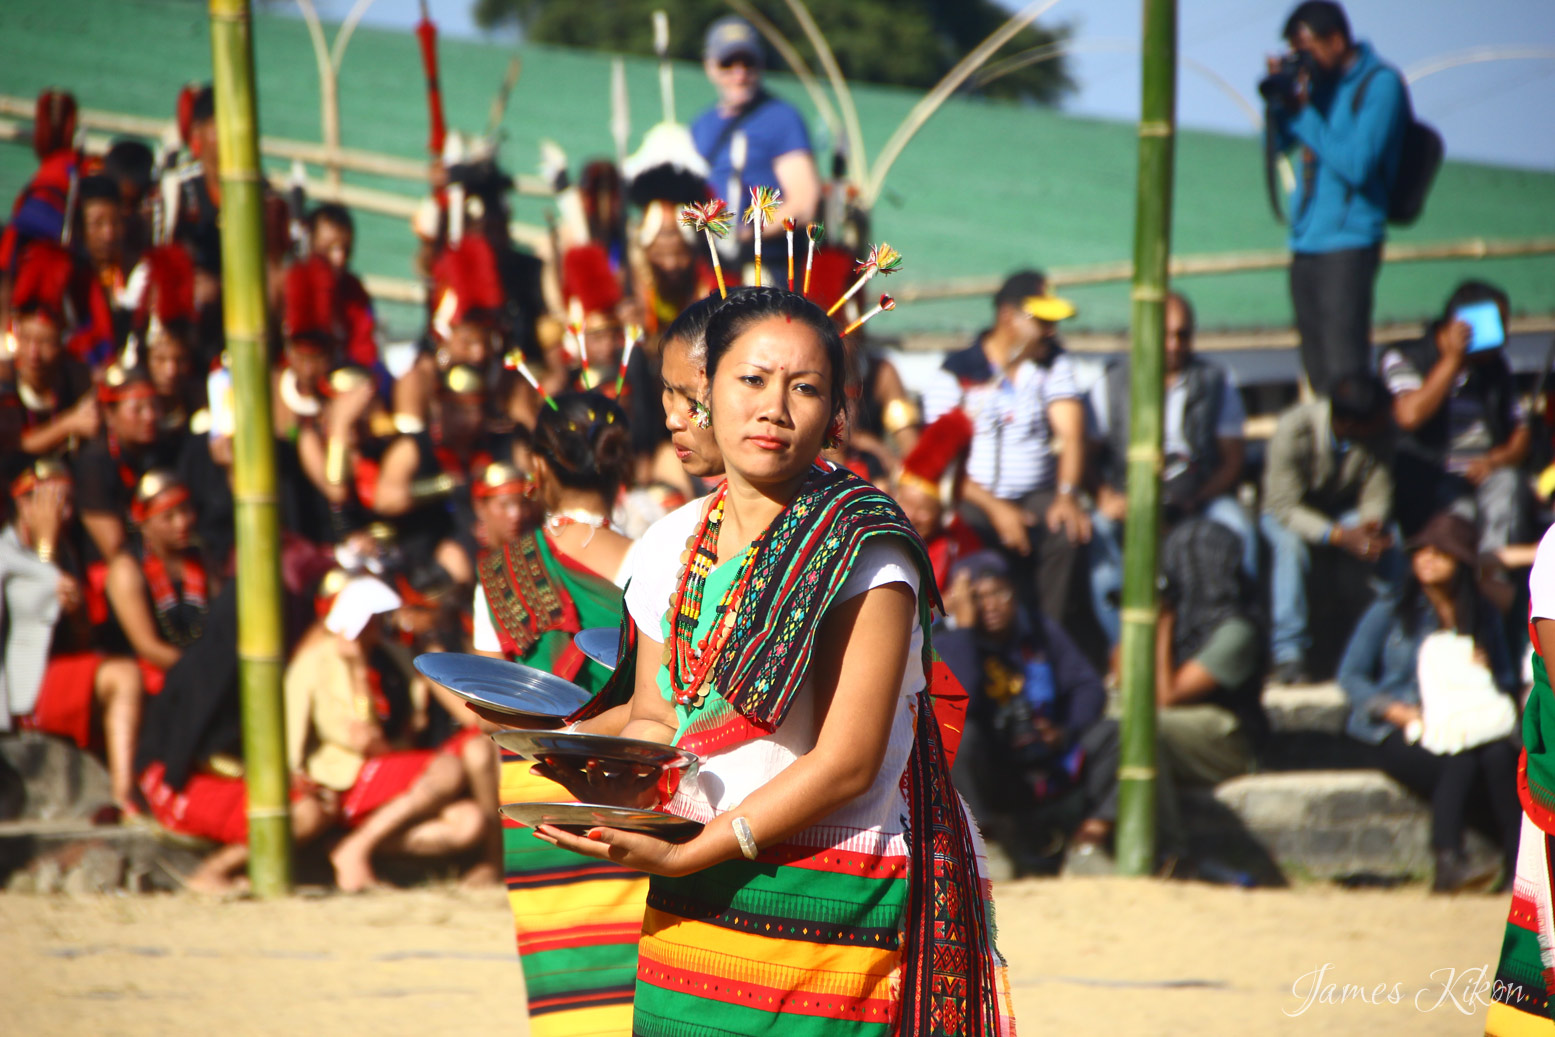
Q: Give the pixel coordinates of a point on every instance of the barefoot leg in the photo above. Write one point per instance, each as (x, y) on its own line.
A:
(117, 691)
(459, 826)
(218, 872)
(482, 768)
(352, 857)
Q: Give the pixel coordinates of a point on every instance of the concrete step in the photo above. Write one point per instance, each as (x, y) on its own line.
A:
(1302, 708)
(1317, 824)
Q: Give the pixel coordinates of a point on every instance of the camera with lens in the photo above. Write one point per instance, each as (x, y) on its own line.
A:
(1281, 84)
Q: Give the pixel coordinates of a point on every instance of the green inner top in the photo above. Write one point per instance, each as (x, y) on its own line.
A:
(718, 583)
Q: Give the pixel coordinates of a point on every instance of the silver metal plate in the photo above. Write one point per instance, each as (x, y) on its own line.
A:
(599, 644)
(580, 817)
(504, 687)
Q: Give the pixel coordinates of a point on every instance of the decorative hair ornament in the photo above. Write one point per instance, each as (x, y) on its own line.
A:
(38, 472)
(788, 229)
(885, 303)
(157, 491)
(634, 335)
(701, 417)
(712, 219)
(882, 259)
(763, 210)
(814, 232)
(514, 361)
(575, 336)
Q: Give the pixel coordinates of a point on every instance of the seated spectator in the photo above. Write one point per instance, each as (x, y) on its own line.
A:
(1203, 450)
(929, 486)
(48, 404)
(339, 453)
(53, 680)
(1328, 483)
(1464, 430)
(1032, 703)
(332, 238)
(1209, 671)
(1028, 444)
(159, 592)
(108, 469)
(424, 480)
(1440, 644)
(467, 328)
(190, 756)
(104, 267)
(163, 341)
(345, 707)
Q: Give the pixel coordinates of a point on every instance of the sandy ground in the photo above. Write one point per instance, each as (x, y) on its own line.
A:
(1087, 956)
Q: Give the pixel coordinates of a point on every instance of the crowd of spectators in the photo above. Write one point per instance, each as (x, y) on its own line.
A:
(398, 473)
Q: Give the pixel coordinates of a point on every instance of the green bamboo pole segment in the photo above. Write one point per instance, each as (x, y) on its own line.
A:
(260, 647)
(1141, 539)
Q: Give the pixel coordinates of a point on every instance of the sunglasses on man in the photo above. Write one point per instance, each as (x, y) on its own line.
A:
(737, 59)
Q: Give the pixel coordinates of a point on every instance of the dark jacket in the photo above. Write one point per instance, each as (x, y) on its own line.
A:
(1206, 386)
(1488, 380)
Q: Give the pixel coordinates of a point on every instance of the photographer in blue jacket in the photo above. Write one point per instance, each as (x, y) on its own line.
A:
(1347, 112)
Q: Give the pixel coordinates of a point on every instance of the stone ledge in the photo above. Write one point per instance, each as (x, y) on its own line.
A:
(1321, 708)
(1323, 824)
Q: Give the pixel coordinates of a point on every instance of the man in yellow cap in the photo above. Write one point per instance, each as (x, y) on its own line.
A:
(1027, 459)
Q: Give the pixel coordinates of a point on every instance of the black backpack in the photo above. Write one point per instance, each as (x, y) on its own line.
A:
(1420, 156)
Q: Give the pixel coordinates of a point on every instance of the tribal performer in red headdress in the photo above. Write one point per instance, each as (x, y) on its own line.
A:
(160, 594)
(929, 487)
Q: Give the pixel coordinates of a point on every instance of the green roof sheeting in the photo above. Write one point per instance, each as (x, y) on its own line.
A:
(986, 187)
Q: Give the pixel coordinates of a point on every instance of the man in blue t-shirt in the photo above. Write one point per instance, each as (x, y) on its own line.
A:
(1347, 114)
(777, 145)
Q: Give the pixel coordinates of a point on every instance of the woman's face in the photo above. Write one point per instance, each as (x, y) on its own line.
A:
(685, 384)
(771, 401)
(1434, 568)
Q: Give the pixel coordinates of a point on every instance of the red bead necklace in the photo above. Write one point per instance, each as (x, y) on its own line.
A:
(690, 664)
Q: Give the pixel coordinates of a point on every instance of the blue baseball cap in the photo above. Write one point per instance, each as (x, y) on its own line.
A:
(731, 35)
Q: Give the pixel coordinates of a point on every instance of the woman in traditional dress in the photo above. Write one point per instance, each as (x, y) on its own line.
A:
(1523, 992)
(836, 886)
(576, 919)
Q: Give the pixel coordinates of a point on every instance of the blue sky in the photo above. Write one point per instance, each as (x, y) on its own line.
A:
(1500, 111)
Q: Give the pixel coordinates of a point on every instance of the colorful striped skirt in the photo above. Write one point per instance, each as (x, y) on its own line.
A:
(801, 941)
(577, 921)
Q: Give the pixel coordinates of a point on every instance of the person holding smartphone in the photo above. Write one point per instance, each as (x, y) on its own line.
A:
(1464, 433)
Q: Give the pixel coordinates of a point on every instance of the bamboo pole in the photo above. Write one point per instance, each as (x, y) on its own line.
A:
(260, 649)
(1136, 835)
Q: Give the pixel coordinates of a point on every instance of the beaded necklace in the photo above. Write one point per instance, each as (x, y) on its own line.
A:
(690, 664)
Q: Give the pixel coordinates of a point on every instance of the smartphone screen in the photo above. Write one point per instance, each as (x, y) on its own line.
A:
(1484, 321)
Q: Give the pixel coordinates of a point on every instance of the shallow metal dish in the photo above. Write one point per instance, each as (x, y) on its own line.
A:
(580, 817)
(542, 746)
(599, 644)
(512, 688)
(604, 769)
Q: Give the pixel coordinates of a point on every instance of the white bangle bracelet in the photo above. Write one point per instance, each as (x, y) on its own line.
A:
(743, 836)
